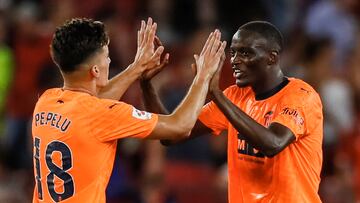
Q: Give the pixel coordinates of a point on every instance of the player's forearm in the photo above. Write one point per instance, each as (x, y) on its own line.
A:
(198, 130)
(257, 135)
(118, 85)
(151, 99)
(186, 114)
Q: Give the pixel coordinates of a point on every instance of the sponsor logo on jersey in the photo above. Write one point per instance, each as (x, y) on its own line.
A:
(294, 113)
(246, 148)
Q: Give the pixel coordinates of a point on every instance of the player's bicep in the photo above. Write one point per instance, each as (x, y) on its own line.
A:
(200, 129)
(121, 120)
(292, 117)
(167, 128)
(212, 119)
(284, 135)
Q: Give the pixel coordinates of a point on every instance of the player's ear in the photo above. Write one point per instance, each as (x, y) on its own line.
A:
(94, 71)
(273, 57)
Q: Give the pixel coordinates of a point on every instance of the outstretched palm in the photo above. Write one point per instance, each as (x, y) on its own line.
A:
(207, 63)
(148, 56)
(149, 74)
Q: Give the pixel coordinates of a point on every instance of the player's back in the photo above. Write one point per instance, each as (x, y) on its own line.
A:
(70, 163)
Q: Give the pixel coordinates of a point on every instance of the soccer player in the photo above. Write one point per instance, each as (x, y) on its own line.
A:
(274, 123)
(75, 132)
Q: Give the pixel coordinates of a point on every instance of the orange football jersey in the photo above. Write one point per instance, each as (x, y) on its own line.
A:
(293, 175)
(75, 137)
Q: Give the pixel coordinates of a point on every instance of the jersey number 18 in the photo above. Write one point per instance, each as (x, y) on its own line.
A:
(61, 173)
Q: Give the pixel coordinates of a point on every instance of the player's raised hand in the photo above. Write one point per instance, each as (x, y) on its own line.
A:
(148, 56)
(150, 73)
(214, 82)
(208, 61)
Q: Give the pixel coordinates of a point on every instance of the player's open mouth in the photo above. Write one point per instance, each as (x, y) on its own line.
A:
(238, 74)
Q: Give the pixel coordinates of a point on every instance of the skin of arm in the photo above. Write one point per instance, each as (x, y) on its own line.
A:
(120, 83)
(153, 103)
(270, 141)
(151, 99)
(179, 124)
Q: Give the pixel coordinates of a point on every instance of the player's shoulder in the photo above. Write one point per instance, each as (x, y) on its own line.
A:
(236, 91)
(93, 103)
(81, 100)
(49, 93)
(302, 91)
(48, 96)
(299, 86)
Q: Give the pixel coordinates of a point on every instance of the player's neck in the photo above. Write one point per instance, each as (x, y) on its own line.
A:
(80, 86)
(79, 89)
(269, 83)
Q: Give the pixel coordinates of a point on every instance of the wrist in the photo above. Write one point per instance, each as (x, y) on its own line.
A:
(135, 69)
(144, 82)
(203, 76)
(200, 78)
(215, 90)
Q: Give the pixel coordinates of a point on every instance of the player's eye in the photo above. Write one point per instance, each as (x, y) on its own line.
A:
(232, 53)
(245, 53)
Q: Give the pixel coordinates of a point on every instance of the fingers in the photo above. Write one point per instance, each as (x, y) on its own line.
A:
(152, 31)
(221, 51)
(163, 63)
(223, 57)
(157, 54)
(147, 31)
(155, 58)
(212, 42)
(157, 42)
(206, 43)
(166, 59)
(152, 34)
(217, 42)
(193, 68)
(148, 74)
(196, 57)
(141, 33)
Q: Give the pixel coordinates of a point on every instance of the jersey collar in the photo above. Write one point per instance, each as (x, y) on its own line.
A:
(273, 91)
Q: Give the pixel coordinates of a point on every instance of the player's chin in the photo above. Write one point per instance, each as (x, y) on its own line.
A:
(242, 82)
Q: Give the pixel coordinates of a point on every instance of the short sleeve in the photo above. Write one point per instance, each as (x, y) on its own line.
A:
(115, 120)
(296, 111)
(213, 118)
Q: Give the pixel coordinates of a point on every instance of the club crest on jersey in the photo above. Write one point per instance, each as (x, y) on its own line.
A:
(268, 118)
(143, 115)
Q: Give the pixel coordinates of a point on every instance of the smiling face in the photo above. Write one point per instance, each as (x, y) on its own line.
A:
(249, 57)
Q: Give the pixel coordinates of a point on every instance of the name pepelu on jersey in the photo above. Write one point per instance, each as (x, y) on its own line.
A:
(52, 119)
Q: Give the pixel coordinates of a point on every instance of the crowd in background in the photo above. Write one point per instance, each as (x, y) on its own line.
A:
(322, 47)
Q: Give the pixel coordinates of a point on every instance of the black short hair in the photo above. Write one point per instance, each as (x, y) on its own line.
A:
(267, 30)
(76, 40)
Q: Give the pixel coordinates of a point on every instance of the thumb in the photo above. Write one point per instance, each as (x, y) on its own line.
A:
(196, 57)
(193, 69)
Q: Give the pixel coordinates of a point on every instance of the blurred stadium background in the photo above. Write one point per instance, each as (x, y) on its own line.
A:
(322, 47)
